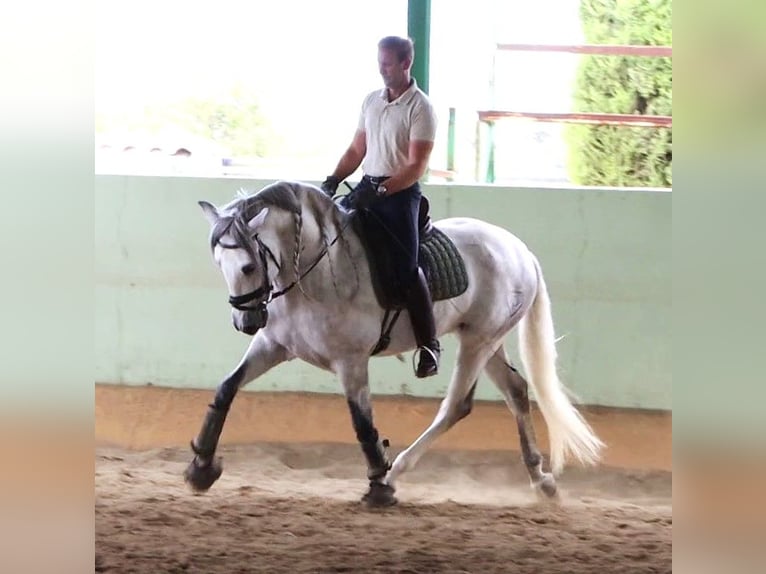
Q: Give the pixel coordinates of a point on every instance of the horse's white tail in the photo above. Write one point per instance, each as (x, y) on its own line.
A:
(568, 432)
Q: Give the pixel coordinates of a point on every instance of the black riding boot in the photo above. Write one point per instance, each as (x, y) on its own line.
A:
(421, 312)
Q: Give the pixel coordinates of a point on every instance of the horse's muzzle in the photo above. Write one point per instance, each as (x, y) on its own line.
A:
(253, 320)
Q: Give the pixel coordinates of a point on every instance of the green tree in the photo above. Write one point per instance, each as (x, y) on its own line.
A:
(233, 120)
(613, 155)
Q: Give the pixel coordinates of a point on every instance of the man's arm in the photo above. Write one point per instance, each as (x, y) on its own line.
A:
(352, 157)
(418, 154)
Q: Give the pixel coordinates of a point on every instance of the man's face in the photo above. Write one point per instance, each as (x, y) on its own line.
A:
(393, 72)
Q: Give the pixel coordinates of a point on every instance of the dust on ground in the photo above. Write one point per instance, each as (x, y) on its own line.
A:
(294, 508)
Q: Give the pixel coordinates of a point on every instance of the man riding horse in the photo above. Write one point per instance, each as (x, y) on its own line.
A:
(393, 143)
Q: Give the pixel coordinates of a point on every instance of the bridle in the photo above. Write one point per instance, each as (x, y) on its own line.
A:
(265, 294)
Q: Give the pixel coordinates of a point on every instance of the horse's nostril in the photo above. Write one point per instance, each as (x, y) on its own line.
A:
(248, 269)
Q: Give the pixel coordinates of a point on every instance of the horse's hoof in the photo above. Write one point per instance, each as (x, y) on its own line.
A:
(546, 490)
(379, 495)
(547, 486)
(201, 477)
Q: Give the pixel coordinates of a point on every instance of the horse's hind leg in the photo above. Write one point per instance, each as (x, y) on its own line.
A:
(454, 407)
(514, 389)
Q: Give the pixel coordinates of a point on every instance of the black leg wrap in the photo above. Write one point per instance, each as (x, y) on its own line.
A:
(200, 477)
(205, 444)
(227, 390)
(373, 448)
(378, 464)
(379, 495)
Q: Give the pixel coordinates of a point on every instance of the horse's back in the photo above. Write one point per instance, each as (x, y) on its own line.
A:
(470, 235)
(496, 260)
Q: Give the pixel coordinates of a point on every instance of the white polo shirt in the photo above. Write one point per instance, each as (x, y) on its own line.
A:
(390, 126)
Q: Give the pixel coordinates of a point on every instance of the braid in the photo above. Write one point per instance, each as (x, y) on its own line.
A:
(326, 241)
(298, 218)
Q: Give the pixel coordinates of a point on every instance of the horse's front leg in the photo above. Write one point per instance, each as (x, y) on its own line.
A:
(205, 468)
(354, 377)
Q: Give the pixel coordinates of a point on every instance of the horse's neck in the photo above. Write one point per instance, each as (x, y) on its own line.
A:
(331, 257)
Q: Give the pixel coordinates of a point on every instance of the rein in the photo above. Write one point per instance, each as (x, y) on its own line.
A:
(266, 289)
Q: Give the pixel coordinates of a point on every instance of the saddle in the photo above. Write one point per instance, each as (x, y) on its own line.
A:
(440, 260)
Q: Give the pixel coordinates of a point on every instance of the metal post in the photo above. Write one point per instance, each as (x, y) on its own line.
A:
(451, 141)
(419, 29)
(477, 152)
(490, 178)
(491, 153)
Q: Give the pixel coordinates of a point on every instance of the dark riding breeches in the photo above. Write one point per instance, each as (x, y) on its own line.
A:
(397, 216)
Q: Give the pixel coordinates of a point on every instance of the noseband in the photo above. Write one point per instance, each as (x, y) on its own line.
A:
(263, 293)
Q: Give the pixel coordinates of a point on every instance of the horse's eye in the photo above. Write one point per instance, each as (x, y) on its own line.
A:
(248, 269)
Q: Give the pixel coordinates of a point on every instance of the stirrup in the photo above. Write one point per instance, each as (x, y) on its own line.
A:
(432, 370)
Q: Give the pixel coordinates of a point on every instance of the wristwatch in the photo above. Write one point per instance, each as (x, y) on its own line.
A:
(382, 190)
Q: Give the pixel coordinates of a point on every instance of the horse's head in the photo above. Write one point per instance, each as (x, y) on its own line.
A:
(249, 238)
(248, 265)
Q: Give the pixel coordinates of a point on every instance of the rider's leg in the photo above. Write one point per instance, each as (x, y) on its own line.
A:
(421, 313)
(398, 213)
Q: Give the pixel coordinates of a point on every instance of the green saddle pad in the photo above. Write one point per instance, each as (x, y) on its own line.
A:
(440, 260)
(443, 266)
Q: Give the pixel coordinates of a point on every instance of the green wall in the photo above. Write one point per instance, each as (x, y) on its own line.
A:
(162, 315)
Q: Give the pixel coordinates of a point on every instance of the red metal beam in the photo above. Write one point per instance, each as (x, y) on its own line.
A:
(594, 49)
(582, 118)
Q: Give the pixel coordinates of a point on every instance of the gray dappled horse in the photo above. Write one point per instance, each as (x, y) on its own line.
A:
(300, 282)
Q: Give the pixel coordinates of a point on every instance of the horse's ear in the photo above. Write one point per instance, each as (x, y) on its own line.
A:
(258, 220)
(211, 212)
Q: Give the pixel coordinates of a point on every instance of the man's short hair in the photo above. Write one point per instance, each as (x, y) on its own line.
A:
(402, 47)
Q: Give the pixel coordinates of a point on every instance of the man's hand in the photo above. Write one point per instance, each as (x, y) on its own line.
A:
(330, 185)
(364, 195)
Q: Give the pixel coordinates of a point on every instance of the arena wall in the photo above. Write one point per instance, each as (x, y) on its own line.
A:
(162, 318)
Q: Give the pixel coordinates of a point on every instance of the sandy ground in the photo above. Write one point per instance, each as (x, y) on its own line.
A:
(294, 507)
(288, 500)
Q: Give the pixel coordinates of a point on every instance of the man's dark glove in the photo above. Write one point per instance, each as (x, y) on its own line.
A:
(330, 185)
(364, 195)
